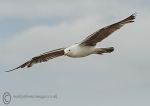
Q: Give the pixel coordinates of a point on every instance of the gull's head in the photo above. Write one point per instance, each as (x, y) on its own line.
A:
(68, 51)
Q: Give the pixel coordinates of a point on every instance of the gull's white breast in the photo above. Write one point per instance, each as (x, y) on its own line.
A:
(81, 51)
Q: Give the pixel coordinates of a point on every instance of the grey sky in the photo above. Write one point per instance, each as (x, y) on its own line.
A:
(29, 28)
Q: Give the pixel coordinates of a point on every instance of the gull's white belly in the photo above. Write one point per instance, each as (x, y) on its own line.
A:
(81, 51)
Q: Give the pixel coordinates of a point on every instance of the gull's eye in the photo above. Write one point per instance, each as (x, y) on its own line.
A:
(69, 50)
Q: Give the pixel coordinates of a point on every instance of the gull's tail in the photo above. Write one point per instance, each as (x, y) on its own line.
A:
(104, 50)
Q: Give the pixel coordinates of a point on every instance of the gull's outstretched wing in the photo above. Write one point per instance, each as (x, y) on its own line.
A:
(42, 58)
(106, 31)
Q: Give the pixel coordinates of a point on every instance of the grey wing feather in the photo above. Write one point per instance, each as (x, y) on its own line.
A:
(101, 34)
(42, 58)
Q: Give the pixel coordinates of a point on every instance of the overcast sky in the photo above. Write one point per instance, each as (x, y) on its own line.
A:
(29, 28)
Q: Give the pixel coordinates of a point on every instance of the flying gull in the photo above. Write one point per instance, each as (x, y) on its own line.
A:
(84, 48)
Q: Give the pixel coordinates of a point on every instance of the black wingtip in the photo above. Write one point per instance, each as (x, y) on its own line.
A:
(129, 19)
(12, 69)
(134, 15)
(9, 71)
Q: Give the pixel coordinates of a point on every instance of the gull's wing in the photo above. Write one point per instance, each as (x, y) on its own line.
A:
(42, 58)
(106, 31)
